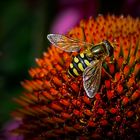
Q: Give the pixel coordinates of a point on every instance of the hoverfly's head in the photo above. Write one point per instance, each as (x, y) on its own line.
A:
(109, 47)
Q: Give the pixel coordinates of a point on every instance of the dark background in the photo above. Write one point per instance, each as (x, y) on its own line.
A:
(24, 25)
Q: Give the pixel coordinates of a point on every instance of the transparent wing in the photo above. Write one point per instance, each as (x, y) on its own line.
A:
(65, 43)
(92, 77)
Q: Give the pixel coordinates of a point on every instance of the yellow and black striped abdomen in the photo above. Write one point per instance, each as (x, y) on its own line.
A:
(78, 64)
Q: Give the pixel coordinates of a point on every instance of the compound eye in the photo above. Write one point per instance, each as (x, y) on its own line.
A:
(111, 50)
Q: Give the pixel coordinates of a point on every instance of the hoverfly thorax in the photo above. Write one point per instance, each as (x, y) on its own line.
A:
(98, 51)
(109, 47)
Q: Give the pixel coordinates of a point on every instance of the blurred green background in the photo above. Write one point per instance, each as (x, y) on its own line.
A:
(23, 28)
(24, 25)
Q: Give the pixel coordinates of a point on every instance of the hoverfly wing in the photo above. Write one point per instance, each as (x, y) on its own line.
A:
(66, 44)
(92, 77)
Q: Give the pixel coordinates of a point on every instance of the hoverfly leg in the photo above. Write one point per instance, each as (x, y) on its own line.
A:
(80, 90)
(107, 73)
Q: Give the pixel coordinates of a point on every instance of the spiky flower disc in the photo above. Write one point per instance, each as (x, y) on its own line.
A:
(55, 104)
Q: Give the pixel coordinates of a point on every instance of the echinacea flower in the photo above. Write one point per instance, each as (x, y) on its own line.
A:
(5, 134)
(70, 12)
(55, 104)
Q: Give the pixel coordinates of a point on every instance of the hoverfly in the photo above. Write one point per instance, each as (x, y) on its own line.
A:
(88, 62)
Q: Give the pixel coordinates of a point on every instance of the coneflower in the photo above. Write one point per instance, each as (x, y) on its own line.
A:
(54, 104)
